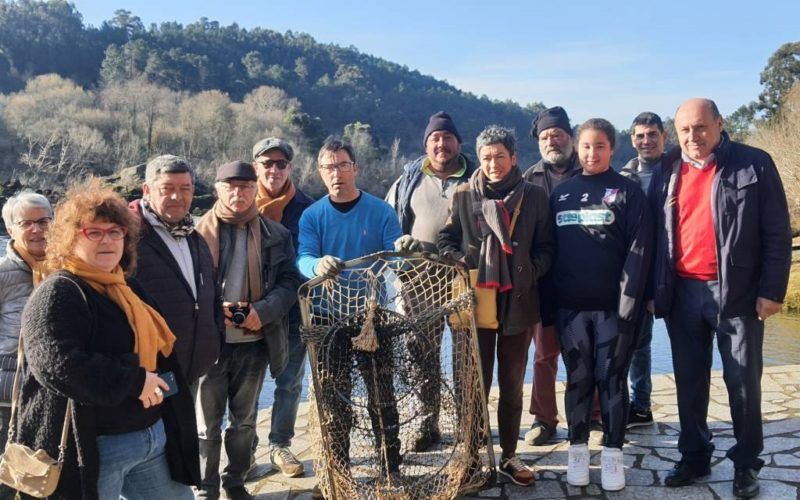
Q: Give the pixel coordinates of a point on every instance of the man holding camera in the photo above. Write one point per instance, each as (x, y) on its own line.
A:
(254, 263)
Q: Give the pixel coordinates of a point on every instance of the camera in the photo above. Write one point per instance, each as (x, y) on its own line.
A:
(238, 314)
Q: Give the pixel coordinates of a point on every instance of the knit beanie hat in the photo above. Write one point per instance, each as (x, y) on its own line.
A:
(440, 121)
(549, 118)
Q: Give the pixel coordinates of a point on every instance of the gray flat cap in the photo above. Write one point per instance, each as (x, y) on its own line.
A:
(265, 145)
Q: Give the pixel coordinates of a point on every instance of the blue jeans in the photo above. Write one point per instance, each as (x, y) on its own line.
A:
(134, 466)
(288, 387)
(641, 383)
(233, 382)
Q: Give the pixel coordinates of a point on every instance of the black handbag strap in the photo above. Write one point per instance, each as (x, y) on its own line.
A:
(15, 394)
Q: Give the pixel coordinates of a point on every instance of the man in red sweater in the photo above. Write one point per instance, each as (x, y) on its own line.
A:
(723, 252)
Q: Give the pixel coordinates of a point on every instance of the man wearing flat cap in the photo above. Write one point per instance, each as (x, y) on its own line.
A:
(278, 199)
(426, 187)
(551, 128)
(253, 258)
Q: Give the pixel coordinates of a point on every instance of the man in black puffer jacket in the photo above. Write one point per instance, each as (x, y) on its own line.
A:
(175, 267)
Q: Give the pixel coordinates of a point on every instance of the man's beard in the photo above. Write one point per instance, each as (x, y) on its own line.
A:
(555, 157)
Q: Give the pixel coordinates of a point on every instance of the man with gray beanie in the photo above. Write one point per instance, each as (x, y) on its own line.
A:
(174, 264)
(426, 187)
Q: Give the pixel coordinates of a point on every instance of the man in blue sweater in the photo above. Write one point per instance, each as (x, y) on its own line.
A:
(346, 224)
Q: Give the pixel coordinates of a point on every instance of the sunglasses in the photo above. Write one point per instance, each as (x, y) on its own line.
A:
(281, 164)
(115, 233)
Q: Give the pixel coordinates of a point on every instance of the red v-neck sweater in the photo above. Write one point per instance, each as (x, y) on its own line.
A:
(695, 244)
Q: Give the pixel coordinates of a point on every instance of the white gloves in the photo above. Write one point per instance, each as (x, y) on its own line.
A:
(407, 243)
(328, 266)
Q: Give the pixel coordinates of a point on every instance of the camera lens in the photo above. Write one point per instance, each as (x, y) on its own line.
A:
(238, 317)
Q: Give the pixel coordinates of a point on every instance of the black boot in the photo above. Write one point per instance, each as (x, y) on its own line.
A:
(683, 474)
(745, 483)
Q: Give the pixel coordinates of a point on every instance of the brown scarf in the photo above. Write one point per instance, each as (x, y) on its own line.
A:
(35, 263)
(208, 228)
(272, 208)
(150, 332)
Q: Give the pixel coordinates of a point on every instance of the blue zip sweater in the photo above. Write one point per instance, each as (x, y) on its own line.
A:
(371, 226)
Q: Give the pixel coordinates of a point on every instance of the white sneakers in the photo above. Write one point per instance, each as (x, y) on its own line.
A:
(578, 465)
(612, 467)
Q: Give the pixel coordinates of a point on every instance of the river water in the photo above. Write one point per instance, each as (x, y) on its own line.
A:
(781, 347)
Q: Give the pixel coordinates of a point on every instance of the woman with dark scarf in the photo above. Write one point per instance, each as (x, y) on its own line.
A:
(500, 225)
(97, 352)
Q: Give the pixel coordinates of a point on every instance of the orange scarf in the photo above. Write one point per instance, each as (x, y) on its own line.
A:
(36, 264)
(272, 208)
(150, 331)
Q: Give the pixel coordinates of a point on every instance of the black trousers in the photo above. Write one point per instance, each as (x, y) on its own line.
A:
(692, 324)
(512, 358)
(596, 355)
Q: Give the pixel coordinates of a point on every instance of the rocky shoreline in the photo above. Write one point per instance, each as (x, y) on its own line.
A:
(128, 183)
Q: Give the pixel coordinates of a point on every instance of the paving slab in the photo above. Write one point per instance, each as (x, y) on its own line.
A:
(649, 455)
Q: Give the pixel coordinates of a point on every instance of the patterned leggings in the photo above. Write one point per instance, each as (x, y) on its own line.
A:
(596, 355)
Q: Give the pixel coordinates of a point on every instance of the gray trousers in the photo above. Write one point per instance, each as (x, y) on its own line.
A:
(233, 383)
(692, 324)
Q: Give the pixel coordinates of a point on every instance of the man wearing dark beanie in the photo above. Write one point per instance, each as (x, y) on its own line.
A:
(551, 128)
(440, 121)
(425, 188)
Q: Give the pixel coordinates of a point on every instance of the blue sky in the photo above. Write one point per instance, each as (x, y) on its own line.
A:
(594, 58)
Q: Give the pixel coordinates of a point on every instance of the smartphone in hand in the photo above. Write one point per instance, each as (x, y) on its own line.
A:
(169, 378)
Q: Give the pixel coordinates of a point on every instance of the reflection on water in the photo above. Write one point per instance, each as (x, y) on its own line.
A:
(781, 347)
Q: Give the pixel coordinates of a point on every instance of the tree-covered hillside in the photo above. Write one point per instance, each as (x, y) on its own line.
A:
(335, 84)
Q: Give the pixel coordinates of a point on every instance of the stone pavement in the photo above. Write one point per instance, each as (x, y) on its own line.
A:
(649, 453)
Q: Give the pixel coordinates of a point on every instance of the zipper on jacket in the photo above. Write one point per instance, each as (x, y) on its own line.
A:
(715, 220)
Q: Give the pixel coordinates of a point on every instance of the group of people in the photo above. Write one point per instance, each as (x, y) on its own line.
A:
(148, 327)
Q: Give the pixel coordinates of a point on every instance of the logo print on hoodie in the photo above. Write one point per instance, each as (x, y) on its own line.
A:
(610, 196)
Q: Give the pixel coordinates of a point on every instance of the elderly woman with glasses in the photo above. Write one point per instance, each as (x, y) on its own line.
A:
(96, 347)
(27, 216)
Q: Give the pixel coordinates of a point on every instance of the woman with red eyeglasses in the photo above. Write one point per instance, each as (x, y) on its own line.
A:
(95, 346)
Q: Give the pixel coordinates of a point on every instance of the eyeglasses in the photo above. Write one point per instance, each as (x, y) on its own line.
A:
(115, 233)
(241, 187)
(344, 166)
(281, 164)
(42, 223)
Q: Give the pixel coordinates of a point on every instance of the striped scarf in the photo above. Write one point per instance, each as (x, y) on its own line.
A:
(492, 205)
